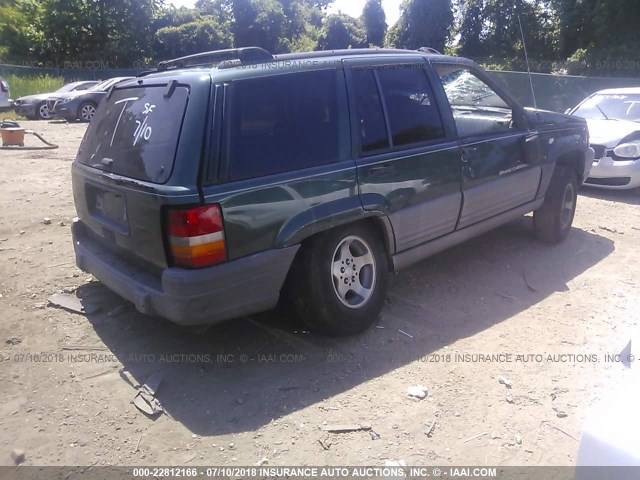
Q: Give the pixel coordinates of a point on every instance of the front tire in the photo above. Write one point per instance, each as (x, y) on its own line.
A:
(338, 283)
(552, 222)
(86, 112)
(42, 111)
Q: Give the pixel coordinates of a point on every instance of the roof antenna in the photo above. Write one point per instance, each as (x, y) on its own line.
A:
(526, 56)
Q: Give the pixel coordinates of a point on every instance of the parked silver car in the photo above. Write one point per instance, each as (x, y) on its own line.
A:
(614, 125)
(5, 96)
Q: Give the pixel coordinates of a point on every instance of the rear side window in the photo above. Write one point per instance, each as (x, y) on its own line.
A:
(135, 133)
(284, 123)
(371, 122)
(411, 107)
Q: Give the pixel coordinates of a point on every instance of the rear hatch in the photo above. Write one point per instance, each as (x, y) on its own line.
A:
(141, 154)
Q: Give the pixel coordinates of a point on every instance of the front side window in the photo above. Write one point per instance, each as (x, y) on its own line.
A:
(477, 108)
(284, 123)
(411, 108)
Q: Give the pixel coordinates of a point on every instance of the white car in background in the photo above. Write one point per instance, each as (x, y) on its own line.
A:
(610, 436)
(614, 126)
(5, 96)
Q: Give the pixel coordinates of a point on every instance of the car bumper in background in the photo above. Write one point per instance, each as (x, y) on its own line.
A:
(189, 297)
(68, 111)
(6, 106)
(615, 174)
(27, 110)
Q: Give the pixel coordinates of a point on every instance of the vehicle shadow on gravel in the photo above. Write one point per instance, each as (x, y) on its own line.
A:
(241, 375)
(630, 197)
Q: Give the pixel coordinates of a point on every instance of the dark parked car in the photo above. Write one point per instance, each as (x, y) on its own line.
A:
(81, 106)
(205, 193)
(35, 107)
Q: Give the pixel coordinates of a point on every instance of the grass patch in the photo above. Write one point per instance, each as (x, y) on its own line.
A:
(32, 84)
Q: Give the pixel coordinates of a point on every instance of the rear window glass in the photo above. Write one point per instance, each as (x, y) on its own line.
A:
(135, 133)
(373, 128)
(284, 123)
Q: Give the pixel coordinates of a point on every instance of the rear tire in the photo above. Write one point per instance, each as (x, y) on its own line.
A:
(553, 220)
(338, 283)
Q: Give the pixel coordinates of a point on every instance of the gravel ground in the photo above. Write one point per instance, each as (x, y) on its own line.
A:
(258, 390)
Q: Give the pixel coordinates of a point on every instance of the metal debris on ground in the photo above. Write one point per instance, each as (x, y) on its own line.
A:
(73, 304)
(527, 283)
(475, 437)
(431, 429)
(120, 309)
(325, 443)
(418, 392)
(145, 400)
(505, 381)
(18, 456)
(345, 428)
(611, 230)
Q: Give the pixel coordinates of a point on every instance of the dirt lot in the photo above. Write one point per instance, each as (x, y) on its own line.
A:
(257, 390)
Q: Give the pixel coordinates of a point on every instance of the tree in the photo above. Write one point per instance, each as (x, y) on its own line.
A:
(374, 20)
(490, 29)
(20, 32)
(422, 23)
(194, 37)
(106, 32)
(342, 31)
(599, 32)
(258, 23)
(471, 28)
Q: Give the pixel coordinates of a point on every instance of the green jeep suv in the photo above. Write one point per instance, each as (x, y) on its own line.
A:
(226, 182)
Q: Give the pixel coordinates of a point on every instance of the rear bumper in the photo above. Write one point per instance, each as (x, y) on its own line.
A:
(6, 106)
(190, 297)
(607, 173)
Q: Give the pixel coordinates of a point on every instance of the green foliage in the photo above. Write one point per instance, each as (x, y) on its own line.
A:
(600, 37)
(423, 23)
(594, 36)
(30, 85)
(19, 34)
(489, 29)
(341, 31)
(375, 24)
(193, 37)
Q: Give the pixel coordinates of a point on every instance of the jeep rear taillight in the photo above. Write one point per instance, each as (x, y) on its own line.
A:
(196, 236)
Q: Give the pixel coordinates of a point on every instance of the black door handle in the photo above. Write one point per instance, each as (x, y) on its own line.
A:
(382, 170)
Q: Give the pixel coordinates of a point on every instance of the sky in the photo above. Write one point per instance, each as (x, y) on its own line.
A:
(351, 7)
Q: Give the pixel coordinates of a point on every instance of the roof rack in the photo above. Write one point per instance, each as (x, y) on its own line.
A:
(429, 50)
(242, 55)
(251, 55)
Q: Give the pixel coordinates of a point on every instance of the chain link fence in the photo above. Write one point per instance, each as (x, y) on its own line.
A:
(69, 74)
(557, 92)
